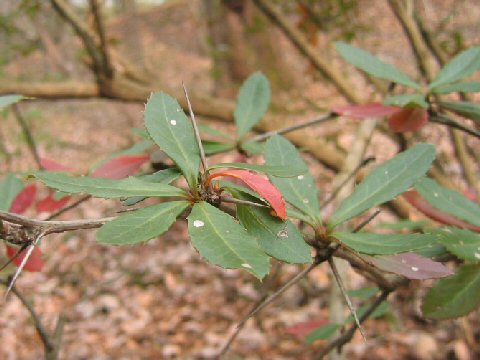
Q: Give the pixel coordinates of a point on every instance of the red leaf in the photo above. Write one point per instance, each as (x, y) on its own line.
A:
(120, 167)
(417, 201)
(52, 165)
(49, 204)
(259, 184)
(411, 265)
(305, 327)
(375, 110)
(34, 263)
(408, 119)
(24, 199)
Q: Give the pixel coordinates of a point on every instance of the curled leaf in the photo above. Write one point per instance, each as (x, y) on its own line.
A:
(408, 119)
(259, 184)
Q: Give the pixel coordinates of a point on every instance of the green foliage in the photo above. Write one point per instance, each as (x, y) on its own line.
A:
(464, 108)
(386, 181)
(465, 87)
(173, 132)
(252, 103)
(461, 66)
(385, 244)
(106, 188)
(449, 201)
(373, 65)
(276, 170)
(10, 186)
(455, 296)
(7, 100)
(322, 333)
(141, 225)
(300, 191)
(223, 242)
(407, 100)
(281, 240)
(462, 243)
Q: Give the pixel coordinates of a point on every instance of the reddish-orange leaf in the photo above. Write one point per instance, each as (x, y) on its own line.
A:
(408, 119)
(259, 184)
(24, 199)
(417, 201)
(374, 110)
(34, 263)
(120, 167)
(305, 327)
(52, 165)
(49, 204)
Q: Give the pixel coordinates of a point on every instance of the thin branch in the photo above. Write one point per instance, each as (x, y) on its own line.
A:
(341, 286)
(68, 207)
(366, 221)
(268, 300)
(100, 28)
(229, 199)
(347, 336)
(28, 135)
(197, 132)
(53, 226)
(444, 120)
(29, 252)
(42, 332)
(335, 192)
(315, 121)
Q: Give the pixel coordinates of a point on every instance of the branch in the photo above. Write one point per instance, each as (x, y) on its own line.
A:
(444, 120)
(28, 135)
(298, 39)
(53, 90)
(347, 336)
(107, 68)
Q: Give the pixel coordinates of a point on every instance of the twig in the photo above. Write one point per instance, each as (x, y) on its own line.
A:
(97, 16)
(229, 199)
(17, 254)
(197, 132)
(268, 300)
(340, 284)
(366, 221)
(347, 179)
(68, 207)
(30, 249)
(57, 339)
(347, 336)
(42, 332)
(28, 135)
(315, 121)
(444, 120)
(54, 226)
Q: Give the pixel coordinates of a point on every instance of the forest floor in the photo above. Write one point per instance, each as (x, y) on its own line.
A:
(160, 300)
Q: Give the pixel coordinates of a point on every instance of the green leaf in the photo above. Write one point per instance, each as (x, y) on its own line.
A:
(385, 244)
(363, 293)
(464, 108)
(277, 170)
(142, 132)
(386, 181)
(8, 100)
(253, 147)
(449, 201)
(373, 65)
(252, 102)
(378, 312)
(407, 100)
(402, 225)
(173, 132)
(465, 87)
(296, 214)
(461, 66)
(300, 191)
(10, 186)
(464, 244)
(106, 188)
(214, 132)
(222, 241)
(322, 333)
(215, 147)
(455, 296)
(141, 225)
(279, 239)
(165, 176)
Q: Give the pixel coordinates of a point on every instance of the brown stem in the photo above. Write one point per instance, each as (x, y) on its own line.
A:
(28, 135)
(107, 68)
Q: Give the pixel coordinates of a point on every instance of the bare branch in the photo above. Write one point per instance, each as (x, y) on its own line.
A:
(28, 135)
(444, 120)
(99, 27)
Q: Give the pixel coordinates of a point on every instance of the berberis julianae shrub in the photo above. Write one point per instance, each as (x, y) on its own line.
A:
(268, 197)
